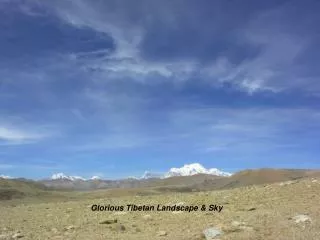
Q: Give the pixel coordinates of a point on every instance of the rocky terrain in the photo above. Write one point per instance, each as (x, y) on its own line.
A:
(280, 210)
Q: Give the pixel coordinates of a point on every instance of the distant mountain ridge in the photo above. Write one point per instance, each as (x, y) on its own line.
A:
(186, 170)
(5, 176)
(58, 176)
(148, 175)
(195, 182)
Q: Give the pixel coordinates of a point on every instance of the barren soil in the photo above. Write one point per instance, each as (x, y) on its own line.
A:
(255, 212)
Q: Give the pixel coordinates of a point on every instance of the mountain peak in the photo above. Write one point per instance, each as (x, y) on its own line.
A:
(186, 170)
(148, 175)
(57, 176)
(193, 169)
(5, 176)
(95, 178)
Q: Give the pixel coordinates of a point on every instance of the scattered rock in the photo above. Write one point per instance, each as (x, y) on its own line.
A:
(301, 218)
(70, 227)
(17, 235)
(237, 223)
(252, 209)
(287, 183)
(162, 233)
(54, 230)
(232, 229)
(68, 210)
(109, 221)
(147, 217)
(246, 228)
(314, 181)
(212, 233)
(4, 236)
(238, 226)
(119, 228)
(138, 230)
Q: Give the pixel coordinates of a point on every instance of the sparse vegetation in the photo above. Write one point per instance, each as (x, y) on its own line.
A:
(251, 212)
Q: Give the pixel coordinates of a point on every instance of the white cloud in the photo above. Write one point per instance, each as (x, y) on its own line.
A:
(270, 70)
(24, 133)
(273, 68)
(17, 135)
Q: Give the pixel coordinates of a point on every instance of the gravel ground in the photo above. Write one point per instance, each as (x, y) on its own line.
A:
(256, 212)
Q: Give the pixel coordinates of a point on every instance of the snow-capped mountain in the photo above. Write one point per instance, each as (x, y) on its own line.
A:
(148, 175)
(95, 178)
(193, 169)
(57, 176)
(5, 177)
(186, 170)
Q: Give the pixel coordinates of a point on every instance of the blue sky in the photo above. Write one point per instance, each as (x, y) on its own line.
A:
(114, 88)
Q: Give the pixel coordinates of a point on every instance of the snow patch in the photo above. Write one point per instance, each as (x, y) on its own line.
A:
(95, 178)
(148, 175)
(186, 170)
(57, 176)
(5, 176)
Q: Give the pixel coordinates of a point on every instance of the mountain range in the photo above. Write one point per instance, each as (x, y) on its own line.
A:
(190, 177)
(186, 170)
(20, 187)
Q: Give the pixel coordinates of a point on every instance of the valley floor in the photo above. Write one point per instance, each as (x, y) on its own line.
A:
(256, 212)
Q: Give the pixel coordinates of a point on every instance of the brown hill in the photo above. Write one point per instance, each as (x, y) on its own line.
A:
(257, 177)
(19, 188)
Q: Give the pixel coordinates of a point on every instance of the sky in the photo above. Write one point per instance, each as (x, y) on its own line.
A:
(116, 87)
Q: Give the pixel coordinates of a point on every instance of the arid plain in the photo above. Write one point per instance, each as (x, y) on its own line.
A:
(279, 210)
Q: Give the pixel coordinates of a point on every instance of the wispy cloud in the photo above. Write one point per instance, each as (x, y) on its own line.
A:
(18, 135)
(24, 133)
(217, 129)
(274, 68)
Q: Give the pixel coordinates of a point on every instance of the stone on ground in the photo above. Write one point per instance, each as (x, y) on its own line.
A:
(212, 233)
(147, 217)
(17, 235)
(162, 233)
(109, 221)
(301, 218)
